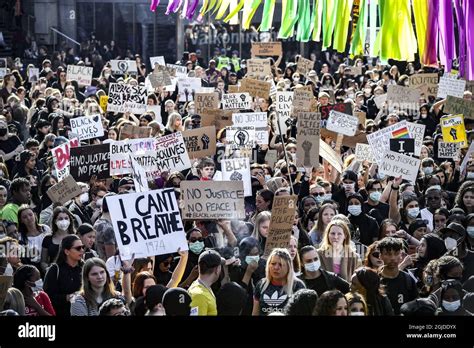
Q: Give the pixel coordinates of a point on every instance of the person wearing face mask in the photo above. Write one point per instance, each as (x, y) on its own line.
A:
(78, 207)
(426, 118)
(407, 209)
(98, 191)
(433, 202)
(374, 189)
(196, 247)
(27, 279)
(356, 305)
(452, 295)
(367, 225)
(348, 186)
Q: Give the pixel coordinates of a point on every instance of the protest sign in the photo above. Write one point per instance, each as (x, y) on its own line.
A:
(217, 117)
(417, 132)
(155, 110)
(138, 175)
(122, 67)
(326, 152)
(380, 100)
(363, 152)
(61, 158)
(5, 284)
(171, 153)
(3, 66)
(160, 77)
(103, 101)
(238, 101)
(64, 190)
(212, 200)
(187, 87)
(143, 148)
(256, 119)
(450, 86)
(345, 108)
(81, 74)
(304, 66)
(271, 157)
(237, 169)
(308, 136)
(456, 106)
(160, 60)
(129, 131)
(204, 101)
(302, 99)
(284, 102)
(87, 161)
(404, 146)
(470, 86)
(380, 140)
(266, 49)
(240, 136)
(281, 223)
(200, 142)
(467, 159)
(342, 123)
(401, 94)
(123, 98)
(233, 89)
(147, 223)
(447, 150)
(454, 130)
(255, 88)
(33, 75)
(355, 70)
(427, 84)
(258, 68)
(87, 127)
(396, 164)
(179, 70)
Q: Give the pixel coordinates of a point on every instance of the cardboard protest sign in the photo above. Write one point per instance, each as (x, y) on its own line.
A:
(281, 223)
(143, 148)
(240, 136)
(380, 140)
(200, 142)
(147, 223)
(284, 102)
(403, 146)
(271, 157)
(308, 136)
(217, 117)
(454, 130)
(456, 106)
(355, 70)
(304, 66)
(129, 131)
(160, 60)
(258, 68)
(237, 101)
(5, 284)
(187, 87)
(61, 157)
(345, 108)
(179, 70)
(237, 169)
(122, 67)
(255, 88)
(87, 127)
(204, 101)
(447, 150)
(138, 175)
(171, 153)
(450, 86)
(87, 161)
(417, 132)
(302, 99)
(426, 83)
(467, 158)
(266, 49)
(363, 152)
(212, 200)
(233, 89)
(342, 123)
(160, 77)
(401, 94)
(123, 98)
(64, 190)
(326, 152)
(33, 75)
(81, 74)
(256, 119)
(103, 101)
(396, 164)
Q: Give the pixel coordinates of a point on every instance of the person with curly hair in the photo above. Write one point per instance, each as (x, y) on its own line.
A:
(331, 303)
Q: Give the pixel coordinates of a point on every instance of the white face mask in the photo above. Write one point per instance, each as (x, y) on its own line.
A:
(375, 196)
(451, 306)
(428, 170)
(249, 259)
(84, 198)
(312, 266)
(413, 212)
(38, 285)
(267, 177)
(357, 314)
(450, 243)
(355, 210)
(63, 224)
(348, 187)
(470, 231)
(327, 197)
(470, 175)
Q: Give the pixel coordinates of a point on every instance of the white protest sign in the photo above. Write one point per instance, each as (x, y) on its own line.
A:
(138, 175)
(240, 137)
(363, 152)
(450, 86)
(466, 159)
(61, 156)
(380, 140)
(187, 87)
(326, 152)
(147, 223)
(87, 127)
(238, 101)
(81, 74)
(33, 75)
(171, 153)
(257, 119)
(238, 169)
(142, 149)
(417, 131)
(156, 109)
(395, 164)
(181, 71)
(3, 63)
(284, 102)
(447, 150)
(342, 123)
(122, 67)
(402, 94)
(160, 60)
(123, 98)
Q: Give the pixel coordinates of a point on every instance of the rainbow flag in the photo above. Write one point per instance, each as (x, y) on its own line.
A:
(401, 133)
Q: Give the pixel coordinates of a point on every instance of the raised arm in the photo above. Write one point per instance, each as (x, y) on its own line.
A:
(179, 270)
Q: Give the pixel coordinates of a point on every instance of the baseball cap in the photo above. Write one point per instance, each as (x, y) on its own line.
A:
(177, 301)
(126, 181)
(210, 259)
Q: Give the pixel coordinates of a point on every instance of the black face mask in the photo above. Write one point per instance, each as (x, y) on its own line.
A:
(3, 132)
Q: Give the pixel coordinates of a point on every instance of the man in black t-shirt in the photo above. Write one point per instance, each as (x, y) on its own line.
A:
(374, 190)
(400, 286)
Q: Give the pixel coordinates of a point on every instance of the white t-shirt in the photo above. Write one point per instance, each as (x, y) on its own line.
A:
(34, 248)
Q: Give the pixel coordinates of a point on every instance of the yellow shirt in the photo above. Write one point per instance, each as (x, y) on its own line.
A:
(202, 298)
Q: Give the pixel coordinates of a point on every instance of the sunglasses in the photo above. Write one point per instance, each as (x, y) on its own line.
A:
(79, 248)
(376, 254)
(193, 240)
(320, 194)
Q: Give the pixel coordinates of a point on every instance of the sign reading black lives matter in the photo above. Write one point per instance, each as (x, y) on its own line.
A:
(239, 101)
(200, 142)
(122, 67)
(447, 150)
(87, 127)
(81, 74)
(147, 223)
(86, 161)
(123, 98)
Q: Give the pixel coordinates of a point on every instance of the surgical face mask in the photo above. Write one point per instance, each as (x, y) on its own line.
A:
(84, 198)
(312, 266)
(196, 247)
(267, 177)
(413, 212)
(451, 306)
(327, 197)
(98, 203)
(357, 314)
(349, 187)
(424, 115)
(319, 199)
(107, 75)
(437, 187)
(355, 210)
(470, 175)
(351, 95)
(37, 285)
(63, 224)
(249, 259)
(428, 170)
(470, 231)
(450, 243)
(296, 80)
(375, 196)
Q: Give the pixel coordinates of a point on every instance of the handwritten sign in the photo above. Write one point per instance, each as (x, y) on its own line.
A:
(61, 158)
(237, 169)
(255, 88)
(461, 106)
(122, 67)
(129, 131)
(187, 87)
(266, 49)
(401, 94)
(87, 161)
(212, 200)
(81, 74)
(64, 190)
(239, 101)
(171, 153)
(87, 127)
(396, 164)
(417, 132)
(426, 83)
(380, 140)
(258, 68)
(403, 146)
(454, 130)
(345, 108)
(204, 101)
(123, 98)
(363, 152)
(160, 60)
(447, 150)
(160, 77)
(179, 70)
(103, 101)
(304, 66)
(284, 102)
(308, 136)
(256, 119)
(302, 99)
(142, 150)
(147, 223)
(33, 75)
(450, 86)
(138, 175)
(342, 123)
(200, 142)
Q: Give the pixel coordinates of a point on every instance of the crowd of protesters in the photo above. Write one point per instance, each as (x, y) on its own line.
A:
(363, 243)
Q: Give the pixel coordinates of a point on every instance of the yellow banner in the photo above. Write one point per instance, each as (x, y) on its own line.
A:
(454, 130)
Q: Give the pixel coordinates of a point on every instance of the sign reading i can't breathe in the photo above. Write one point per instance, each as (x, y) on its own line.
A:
(147, 223)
